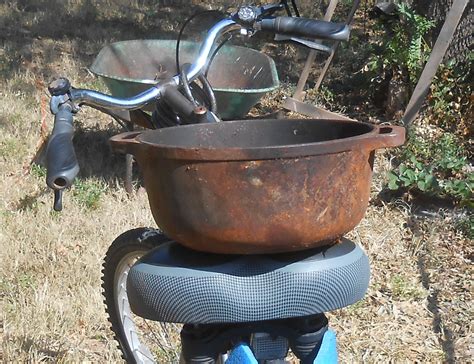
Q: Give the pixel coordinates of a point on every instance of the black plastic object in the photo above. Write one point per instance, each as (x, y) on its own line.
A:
(303, 27)
(186, 111)
(58, 200)
(59, 86)
(61, 159)
(311, 331)
(178, 101)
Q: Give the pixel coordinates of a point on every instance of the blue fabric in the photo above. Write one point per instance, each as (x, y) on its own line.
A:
(242, 354)
(328, 352)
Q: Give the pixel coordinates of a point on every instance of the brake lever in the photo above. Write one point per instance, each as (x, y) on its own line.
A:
(271, 9)
(308, 43)
(58, 200)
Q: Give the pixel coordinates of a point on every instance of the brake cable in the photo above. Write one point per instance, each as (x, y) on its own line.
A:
(207, 89)
(180, 34)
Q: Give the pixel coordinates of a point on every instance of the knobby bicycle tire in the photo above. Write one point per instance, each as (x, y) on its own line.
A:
(126, 249)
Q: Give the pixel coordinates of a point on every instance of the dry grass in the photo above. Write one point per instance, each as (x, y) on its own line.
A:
(418, 308)
(50, 262)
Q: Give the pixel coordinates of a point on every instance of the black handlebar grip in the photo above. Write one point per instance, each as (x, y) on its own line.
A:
(303, 27)
(61, 162)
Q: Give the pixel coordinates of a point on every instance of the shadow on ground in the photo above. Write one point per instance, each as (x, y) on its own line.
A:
(33, 33)
(44, 39)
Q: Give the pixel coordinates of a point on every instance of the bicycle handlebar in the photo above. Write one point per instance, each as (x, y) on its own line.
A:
(94, 98)
(62, 166)
(283, 25)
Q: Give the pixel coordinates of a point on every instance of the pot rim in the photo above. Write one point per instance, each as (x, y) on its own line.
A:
(377, 137)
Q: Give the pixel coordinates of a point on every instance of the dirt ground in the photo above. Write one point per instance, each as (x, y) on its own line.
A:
(419, 306)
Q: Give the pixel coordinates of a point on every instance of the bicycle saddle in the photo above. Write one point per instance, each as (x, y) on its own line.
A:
(175, 284)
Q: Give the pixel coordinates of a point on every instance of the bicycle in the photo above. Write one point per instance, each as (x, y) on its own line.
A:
(238, 297)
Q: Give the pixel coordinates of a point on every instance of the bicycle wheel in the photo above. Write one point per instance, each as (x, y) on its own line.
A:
(140, 340)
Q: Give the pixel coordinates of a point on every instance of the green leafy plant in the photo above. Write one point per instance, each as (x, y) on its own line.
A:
(412, 30)
(413, 174)
(403, 48)
(438, 166)
(449, 101)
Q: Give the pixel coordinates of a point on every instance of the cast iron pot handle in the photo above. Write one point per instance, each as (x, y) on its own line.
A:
(125, 143)
(387, 136)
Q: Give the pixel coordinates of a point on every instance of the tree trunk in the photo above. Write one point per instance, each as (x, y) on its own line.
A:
(463, 41)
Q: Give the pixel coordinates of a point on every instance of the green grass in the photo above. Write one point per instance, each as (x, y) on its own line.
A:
(88, 193)
(26, 280)
(38, 171)
(12, 148)
(404, 289)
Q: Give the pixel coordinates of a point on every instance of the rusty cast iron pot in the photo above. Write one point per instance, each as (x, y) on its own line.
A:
(261, 186)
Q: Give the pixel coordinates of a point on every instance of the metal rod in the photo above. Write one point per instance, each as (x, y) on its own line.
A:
(99, 99)
(312, 111)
